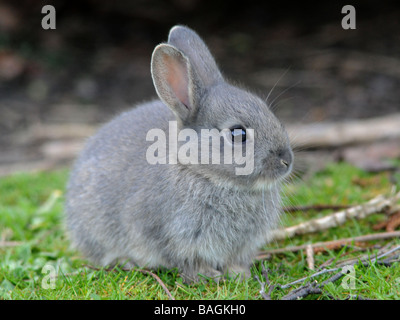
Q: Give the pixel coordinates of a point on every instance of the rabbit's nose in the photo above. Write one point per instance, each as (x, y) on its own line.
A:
(286, 157)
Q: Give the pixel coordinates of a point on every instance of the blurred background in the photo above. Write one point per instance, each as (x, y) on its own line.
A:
(57, 86)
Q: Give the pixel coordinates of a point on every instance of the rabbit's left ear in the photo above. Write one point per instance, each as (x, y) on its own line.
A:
(204, 65)
(173, 80)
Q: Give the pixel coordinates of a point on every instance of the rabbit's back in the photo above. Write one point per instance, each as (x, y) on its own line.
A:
(110, 172)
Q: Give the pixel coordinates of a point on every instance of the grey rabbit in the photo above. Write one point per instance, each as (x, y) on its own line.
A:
(203, 219)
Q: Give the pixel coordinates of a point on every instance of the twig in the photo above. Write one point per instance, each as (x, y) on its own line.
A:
(288, 285)
(147, 272)
(262, 291)
(387, 253)
(364, 257)
(266, 296)
(375, 205)
(336, 134)
(315, 288)
(316, 207)
(337, 268)
(335, 244)
(6, 244)
(310, 257)
(162, 284)
(390, 224)
(310, 288)
(357, 297)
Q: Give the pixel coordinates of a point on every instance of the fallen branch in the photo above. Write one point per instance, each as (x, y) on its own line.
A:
(364, 262)
(310, 257)
(344, 254)
(378, 204)
(331, 245)
(7, 244)
(344, 133)
(59, 131)
(390, 224)
(316, 207)
(304, 291)
(266, 296)
(162, 284)
(317, 274)
(380, 254)
(315, 288)
(30, 166)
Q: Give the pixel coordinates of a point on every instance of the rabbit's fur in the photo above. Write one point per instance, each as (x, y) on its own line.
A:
(199, 218)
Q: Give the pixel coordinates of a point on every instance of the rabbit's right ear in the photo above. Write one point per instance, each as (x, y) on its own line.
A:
(190, 43)
(173, 79)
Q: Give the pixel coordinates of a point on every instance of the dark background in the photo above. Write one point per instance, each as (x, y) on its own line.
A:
(97, 61)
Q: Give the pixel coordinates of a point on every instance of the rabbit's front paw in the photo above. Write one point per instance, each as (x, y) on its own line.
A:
(202, 274)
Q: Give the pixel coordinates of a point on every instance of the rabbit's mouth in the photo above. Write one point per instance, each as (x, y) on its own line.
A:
(275, 169)
(268, 178)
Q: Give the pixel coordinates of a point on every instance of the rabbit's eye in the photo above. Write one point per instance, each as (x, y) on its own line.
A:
(238, 134)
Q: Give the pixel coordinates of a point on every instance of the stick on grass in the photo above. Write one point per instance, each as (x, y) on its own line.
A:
(335, 244)
(336, 219)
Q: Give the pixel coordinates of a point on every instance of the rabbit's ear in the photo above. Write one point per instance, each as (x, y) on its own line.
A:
(173, 79)
(188, 41)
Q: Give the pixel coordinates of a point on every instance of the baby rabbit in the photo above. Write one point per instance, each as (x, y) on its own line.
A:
(202, 218)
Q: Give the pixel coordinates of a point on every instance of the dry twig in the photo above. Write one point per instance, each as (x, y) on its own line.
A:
(345, 133)
(378, 204)
(266, 296)
(162, 284)
(304, 291)
(6, 244)
(310, 257)
(390, 224)
(315, 288)
(335, 244)
(315, 207)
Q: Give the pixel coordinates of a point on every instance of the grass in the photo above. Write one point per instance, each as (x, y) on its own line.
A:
(31, 207)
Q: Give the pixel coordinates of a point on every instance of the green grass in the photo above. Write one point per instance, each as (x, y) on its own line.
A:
(31, 207)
